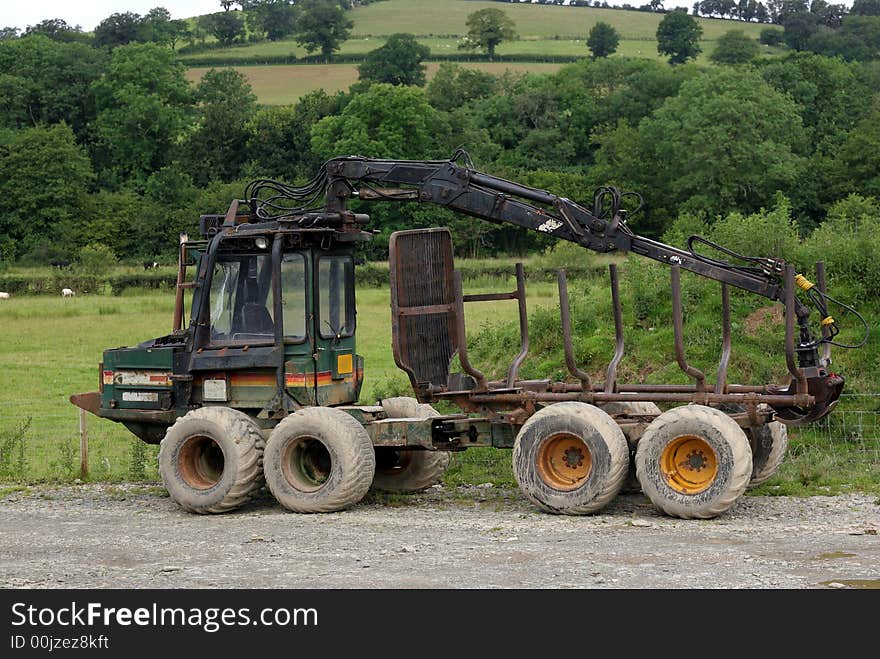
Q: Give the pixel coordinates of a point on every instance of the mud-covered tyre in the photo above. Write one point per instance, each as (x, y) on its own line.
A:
(407, 471)
(570, 458)
(769, 442)
(693, 462)
(319, 460)
(769, 445)
(644, 409)
(211, 460)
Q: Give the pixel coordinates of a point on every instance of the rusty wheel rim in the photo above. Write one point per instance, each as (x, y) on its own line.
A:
(200, 462)
(564, 461)
(690, 464)
(306, 464)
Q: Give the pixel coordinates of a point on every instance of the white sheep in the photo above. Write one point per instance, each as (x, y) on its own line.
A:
(66, 292)
(4, 295)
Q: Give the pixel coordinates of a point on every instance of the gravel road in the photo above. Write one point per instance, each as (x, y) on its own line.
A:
(133, 536)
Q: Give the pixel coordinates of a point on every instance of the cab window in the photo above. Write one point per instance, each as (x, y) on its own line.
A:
(241, 299)
(336, 296)
(293, 296)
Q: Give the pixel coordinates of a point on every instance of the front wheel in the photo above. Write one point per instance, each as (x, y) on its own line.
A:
(693, 462)
(319, 460)
(210, 460)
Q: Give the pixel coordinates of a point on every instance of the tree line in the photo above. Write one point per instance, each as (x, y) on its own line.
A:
(115, 150)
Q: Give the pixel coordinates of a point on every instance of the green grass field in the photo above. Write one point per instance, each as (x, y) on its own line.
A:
(448, 17)
(284, 84)
(543, 31)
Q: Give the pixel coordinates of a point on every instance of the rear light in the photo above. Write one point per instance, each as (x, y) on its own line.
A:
(106, 378)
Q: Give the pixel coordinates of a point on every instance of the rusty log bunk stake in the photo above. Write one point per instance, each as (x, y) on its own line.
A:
(482, 385)
(523, 326)
(565, 314)
(611, 373)
(677, 328)
(720, 381)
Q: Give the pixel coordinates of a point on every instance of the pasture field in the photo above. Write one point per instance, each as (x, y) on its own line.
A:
(445, 17)
(283, 84)
(50, 348)
(440, 46)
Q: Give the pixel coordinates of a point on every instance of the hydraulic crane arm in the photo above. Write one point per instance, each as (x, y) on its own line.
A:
(465, 190)
(462, 188)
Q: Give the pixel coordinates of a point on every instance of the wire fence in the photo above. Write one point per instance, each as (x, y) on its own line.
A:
(37, 446)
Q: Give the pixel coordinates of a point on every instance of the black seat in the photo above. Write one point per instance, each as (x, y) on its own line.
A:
(253, 318)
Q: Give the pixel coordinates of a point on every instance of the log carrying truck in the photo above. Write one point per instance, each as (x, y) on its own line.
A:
(261, 386)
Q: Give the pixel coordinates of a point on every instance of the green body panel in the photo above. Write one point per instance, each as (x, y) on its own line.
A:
(137, 378)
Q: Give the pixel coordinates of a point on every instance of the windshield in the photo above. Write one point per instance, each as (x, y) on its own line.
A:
(241, 299)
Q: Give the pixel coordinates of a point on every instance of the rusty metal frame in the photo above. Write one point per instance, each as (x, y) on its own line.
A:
(514, 399)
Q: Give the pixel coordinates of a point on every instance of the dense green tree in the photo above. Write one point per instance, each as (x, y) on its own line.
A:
(836, 43)
(867, 30)
(225, 26)
(276, 19)
(799, 28)
(45, 180)
(857, 166)
(322, 25)
(45, 81)
(597, 92)
(119, 29)
(8, 33)
(143, 103)
(454, 86)
(678, 37)
(386, 121)
(279, 137)
(486, 29)
(832, 96)
(734, 47)
(160, 28)
(727, 141)
(602, 40)
(866, 7)
(57, 29)
(771, 36)
(398, 62)
(215, 150)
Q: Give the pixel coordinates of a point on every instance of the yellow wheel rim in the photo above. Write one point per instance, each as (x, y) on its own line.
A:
(564, 461)
(690, 464)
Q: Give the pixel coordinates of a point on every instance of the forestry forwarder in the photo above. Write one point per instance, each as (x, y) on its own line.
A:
(262, 386)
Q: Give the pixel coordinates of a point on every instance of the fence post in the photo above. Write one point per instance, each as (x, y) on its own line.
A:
(83, 446)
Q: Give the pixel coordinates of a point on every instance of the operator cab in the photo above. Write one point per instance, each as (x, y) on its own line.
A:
(273, 317)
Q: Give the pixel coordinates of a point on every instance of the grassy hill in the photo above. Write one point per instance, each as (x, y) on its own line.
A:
(544, 32)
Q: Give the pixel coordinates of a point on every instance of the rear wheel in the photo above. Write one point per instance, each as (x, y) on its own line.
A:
(570, 458)
(319, 460)
(769, 445)
(210, 460)
(406, 471)
(693, 462)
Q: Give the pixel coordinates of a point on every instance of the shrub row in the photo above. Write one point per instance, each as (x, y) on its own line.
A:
(356, 58)
(53, 283)
(372, 275)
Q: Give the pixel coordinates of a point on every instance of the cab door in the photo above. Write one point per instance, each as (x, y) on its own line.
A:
(298, 326)
(339, 371)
